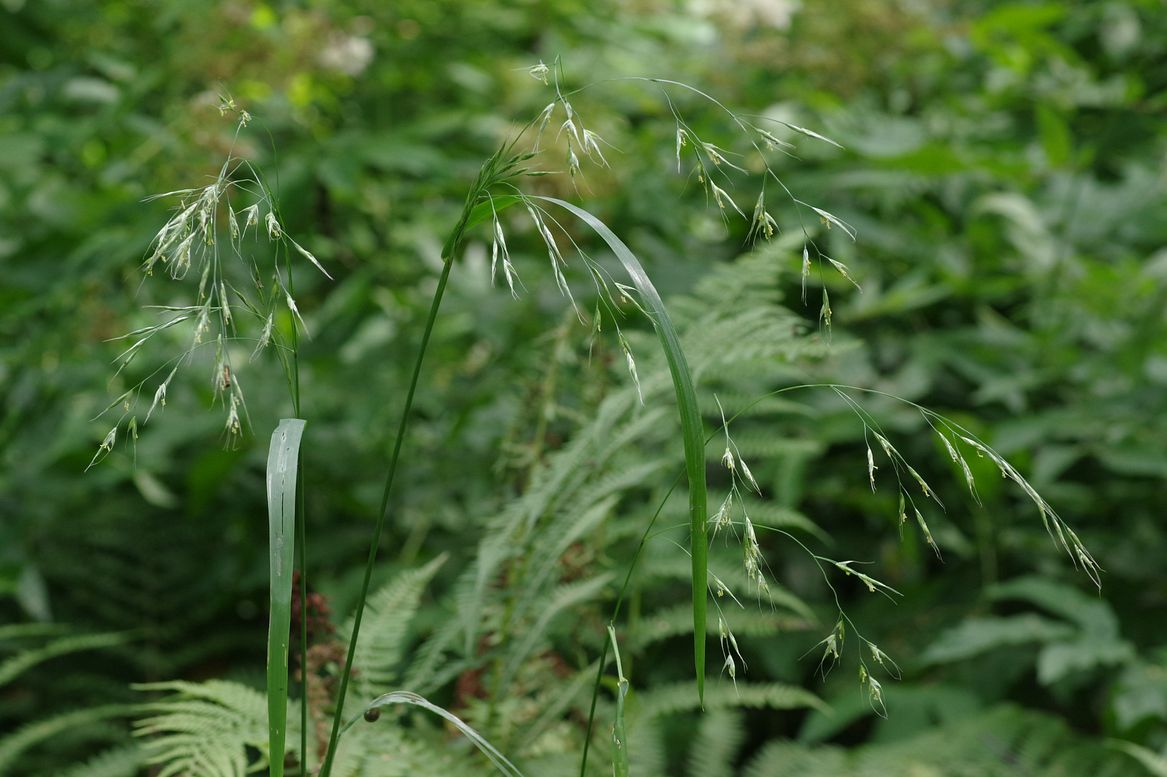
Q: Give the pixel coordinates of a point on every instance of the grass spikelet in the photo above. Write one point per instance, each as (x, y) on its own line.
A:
(927, 533)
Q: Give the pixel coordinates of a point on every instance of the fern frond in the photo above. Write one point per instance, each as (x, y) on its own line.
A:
(719, 736)
(211, 729)
(1003, 742)
(672, 567)
(32, 734)
(1091, 614)
(389, 749)
(563, 597)
(675, 698)
(389, 614)
(760, 443)
(124, 761)
(422, 674)
(558, 700)
(668, 622)
(646, 748)
(544, 556)
(974, 636)
(25, 660)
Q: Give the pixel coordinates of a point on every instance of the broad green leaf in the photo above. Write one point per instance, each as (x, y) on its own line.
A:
(282, 470)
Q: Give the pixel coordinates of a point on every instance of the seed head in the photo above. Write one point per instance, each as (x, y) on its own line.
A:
(181, 263)
(762, 222)
(233, 425)
(291, 303)
(730, 667)
(264, 336)
(749, 475)
(159, 399)
(232, 224)
(226, 305)
(805, 271)
(539, 72)
(105, 447)
(875, 696)
(274, 231)
(251, 216)
(927, 532)
(203, 324)
(591, 147)
(871, 468)
(632, 367)
(721, 519)
(771, 141)
(721, 198)
(752, 553)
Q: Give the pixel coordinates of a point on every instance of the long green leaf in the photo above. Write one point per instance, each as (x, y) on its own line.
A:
(691, 426)
(620, 767)
(282, 470)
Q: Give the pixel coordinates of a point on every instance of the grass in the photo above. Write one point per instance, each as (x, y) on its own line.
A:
(189, 241)
(282, 487)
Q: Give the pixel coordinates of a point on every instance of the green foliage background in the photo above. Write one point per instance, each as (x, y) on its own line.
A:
(1004, 166)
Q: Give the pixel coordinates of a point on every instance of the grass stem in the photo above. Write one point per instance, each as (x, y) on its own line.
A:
(375, 542)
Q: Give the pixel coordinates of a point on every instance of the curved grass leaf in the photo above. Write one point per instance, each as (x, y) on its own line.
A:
(282, 470)
(406, 697)
(691, 425)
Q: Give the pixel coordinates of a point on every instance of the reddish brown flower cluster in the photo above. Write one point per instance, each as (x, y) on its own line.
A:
(319, 613)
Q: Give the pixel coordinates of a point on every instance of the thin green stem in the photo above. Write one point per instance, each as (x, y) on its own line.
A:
(375, 543)
(615, 614)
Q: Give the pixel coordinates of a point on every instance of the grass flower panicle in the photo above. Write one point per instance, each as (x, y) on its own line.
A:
(189, 241)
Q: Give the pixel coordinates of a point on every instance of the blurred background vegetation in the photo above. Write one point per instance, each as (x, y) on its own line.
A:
(1004, 164)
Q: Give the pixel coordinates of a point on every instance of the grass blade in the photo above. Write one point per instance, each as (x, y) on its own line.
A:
(282, 470)
(407, 697)
(383, 513)
(619, 735)
(691, 425)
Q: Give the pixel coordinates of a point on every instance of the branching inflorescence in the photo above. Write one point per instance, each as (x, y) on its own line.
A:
(192, 241)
